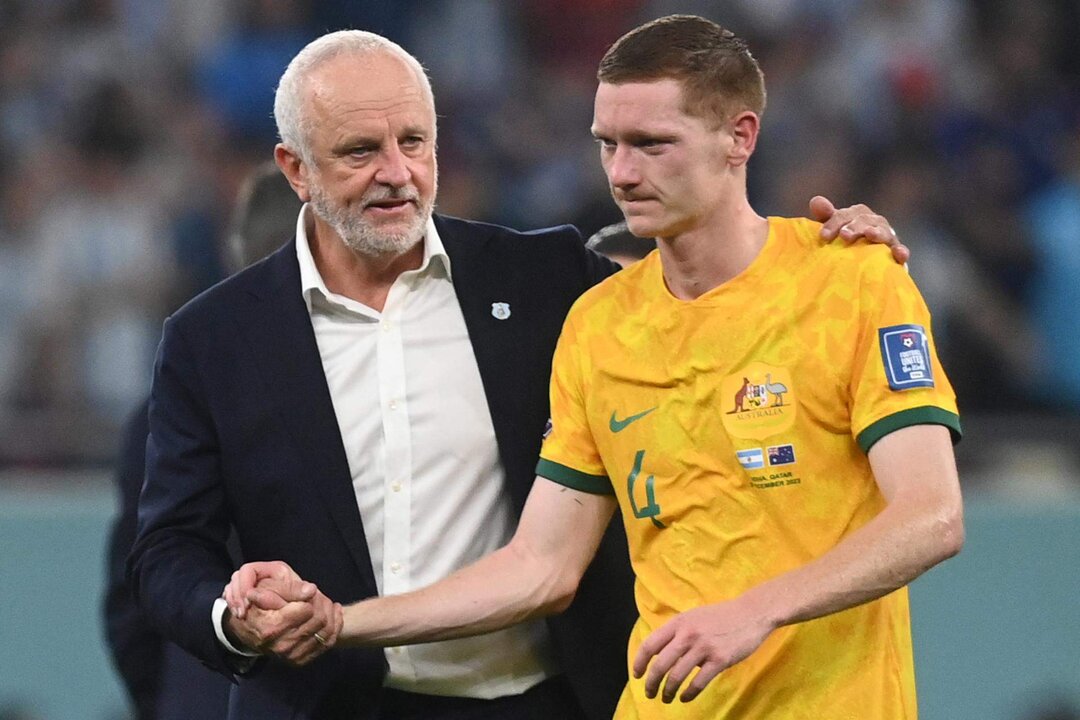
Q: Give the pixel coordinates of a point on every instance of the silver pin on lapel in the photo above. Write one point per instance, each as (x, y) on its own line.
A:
(500, 310)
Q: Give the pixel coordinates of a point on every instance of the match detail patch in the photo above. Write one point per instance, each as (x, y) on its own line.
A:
(905, 353)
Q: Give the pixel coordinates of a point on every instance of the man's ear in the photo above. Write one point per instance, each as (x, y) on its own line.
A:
(294, 169)
(744, 132)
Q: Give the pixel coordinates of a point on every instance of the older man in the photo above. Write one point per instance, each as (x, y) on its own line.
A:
(368, 405)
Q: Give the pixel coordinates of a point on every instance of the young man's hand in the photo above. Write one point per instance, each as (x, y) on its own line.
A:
(711, 637)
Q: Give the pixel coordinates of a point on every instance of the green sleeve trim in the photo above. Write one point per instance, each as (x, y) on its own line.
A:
(571, 478)
(928, 415)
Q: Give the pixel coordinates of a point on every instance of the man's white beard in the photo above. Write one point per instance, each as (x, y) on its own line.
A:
(362, 236)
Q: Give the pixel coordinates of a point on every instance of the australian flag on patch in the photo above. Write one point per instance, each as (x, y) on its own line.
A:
(781, 454)
(905, 353)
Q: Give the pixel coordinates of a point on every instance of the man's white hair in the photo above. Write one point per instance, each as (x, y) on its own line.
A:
(292, 124)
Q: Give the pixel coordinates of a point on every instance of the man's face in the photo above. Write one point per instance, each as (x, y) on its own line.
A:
(371, 136)
(666, 169)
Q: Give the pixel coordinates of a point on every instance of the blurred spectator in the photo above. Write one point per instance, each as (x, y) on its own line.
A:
(263, 217)
(18, 712)
(1053, 709)
(983, 337)
(617, 243)
(16, 206)
(99, 271)
(392, 19)
(23, 104)
(1054, 218)
(238, 77)
(129, 124)
(895, 58)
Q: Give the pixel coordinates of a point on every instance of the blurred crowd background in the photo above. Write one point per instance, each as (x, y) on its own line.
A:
(127, 126)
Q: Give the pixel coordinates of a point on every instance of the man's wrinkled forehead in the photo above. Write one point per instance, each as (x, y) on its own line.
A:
(378, 80)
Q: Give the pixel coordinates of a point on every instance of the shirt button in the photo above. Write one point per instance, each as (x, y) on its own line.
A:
(386, 326)
(393, 404)
(396, 487)
(395, 568)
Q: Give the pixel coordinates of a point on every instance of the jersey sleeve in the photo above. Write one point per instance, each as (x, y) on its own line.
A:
(569, 455)
(898, 380)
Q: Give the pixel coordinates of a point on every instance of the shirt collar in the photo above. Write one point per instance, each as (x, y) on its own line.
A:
(310, 278)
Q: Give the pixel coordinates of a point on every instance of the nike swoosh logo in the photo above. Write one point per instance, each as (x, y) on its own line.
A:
(617, 425)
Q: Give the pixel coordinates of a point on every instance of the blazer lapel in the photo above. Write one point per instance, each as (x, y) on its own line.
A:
(280, 330)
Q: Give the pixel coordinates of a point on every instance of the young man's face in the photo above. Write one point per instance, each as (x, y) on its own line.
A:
(667, 170)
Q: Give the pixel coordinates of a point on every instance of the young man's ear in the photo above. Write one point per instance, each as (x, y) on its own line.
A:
(744, 131)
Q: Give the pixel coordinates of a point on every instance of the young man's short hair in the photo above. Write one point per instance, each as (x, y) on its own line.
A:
(719, 75)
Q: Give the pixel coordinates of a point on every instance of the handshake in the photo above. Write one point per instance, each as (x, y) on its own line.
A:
(272, 610)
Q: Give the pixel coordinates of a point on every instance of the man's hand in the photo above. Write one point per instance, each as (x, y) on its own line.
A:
(857, 221)
(290, 586)
(273, 610)
(712, 637)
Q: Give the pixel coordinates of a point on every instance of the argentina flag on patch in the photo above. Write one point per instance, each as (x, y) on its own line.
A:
(905, 353)
(751, 459)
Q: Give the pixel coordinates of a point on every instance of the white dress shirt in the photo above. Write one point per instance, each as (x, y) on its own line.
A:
(424, 462)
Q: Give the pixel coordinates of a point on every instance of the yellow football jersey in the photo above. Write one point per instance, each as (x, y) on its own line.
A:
(733, 431)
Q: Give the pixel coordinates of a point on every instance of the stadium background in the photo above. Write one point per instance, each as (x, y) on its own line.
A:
(126, 126)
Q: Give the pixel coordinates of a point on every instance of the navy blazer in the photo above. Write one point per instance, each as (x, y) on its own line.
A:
(243, 433)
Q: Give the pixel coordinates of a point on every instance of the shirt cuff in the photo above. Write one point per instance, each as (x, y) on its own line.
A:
(220, 606)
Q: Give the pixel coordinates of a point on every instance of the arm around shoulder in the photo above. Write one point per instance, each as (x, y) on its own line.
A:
(596, 266)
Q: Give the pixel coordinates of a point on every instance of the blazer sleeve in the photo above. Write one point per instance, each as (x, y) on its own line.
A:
(180, 563)
(598, 267)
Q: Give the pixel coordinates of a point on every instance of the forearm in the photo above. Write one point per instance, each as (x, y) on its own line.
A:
(536, 574)
(921, 525)
(890, 551)
(507, 587)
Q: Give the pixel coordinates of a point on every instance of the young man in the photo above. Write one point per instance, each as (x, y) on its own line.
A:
(769, 413)
(730, 562)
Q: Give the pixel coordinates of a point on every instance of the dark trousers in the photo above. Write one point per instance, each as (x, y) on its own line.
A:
(550, 700)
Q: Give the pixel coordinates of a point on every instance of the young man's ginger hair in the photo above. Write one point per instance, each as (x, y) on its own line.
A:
(719, 75)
